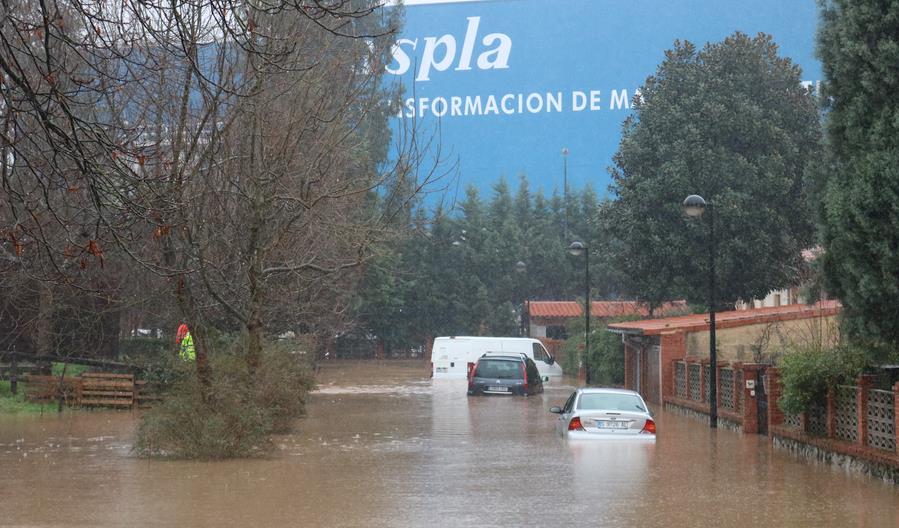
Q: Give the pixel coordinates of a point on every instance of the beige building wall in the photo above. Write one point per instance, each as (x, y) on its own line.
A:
(765, 342)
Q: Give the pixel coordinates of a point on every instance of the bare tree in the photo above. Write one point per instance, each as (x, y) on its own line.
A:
(235, 150)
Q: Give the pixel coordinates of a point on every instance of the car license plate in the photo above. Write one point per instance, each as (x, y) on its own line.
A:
(498, 389)
(608, 424)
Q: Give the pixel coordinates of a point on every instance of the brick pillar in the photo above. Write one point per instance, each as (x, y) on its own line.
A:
(751, 404)
(775, 415)
(863, 385)
(831, 419)
(673, 381)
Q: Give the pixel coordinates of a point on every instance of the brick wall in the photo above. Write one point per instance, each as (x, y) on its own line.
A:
(864, 447)
(737, 415)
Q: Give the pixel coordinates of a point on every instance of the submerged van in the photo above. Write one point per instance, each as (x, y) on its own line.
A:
(451, 357)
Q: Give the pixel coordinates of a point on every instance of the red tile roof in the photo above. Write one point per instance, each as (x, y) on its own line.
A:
(700, 322)
(568, 309)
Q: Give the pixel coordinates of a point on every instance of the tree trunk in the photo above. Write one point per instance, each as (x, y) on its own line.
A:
(45, 319)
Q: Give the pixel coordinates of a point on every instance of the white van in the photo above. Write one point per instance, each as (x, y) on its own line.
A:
(451, 355)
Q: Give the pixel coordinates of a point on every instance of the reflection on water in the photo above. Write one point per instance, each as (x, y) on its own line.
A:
(384, 446)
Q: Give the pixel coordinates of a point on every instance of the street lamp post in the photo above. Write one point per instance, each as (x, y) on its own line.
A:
(565, 187)
(521, 268)
(695, 206)
(576, 248)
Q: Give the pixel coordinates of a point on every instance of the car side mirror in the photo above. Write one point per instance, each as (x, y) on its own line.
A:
(555, 410)
(550, 360)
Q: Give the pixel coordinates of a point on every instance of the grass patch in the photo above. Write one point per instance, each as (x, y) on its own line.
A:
(16, 404)
(72, 369)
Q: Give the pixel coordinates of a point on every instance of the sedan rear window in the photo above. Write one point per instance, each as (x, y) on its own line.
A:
(498, 368)
(610, 402)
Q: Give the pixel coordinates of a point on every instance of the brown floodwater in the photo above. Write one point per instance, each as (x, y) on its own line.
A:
(384, 446)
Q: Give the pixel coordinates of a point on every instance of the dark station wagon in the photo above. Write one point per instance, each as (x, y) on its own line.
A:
(508, 374)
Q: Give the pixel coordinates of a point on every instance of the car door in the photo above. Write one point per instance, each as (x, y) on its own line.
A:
(535, 384)
(565, 415)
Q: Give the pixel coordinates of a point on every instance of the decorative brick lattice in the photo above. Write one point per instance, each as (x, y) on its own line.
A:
(846, 417)
(726, 383)
(740, 390)
(705, 382)
(791, 420)
(695, 389)
(881, 420)
(816, 420)
(680, 379)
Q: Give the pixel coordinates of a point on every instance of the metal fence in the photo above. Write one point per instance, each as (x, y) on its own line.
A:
(706, 379)
(680, 379)
(726, 384)
(695, 387)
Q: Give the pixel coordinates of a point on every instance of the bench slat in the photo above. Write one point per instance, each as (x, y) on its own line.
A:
(109, 402)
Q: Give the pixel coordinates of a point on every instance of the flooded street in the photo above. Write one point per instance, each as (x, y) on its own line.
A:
(384, 446)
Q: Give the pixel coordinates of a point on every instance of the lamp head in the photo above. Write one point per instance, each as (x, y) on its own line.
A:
(694, 205)
(576, 248)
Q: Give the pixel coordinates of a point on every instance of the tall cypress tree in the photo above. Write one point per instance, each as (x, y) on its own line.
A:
(858, 43)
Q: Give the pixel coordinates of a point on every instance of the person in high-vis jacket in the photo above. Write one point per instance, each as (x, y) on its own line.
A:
(186, 344)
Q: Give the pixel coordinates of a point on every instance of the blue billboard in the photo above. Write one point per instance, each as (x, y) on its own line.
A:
(510, 84)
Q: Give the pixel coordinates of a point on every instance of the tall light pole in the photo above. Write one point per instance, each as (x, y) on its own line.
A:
(565, 187)
(521, 268)
(576, 248)
(695, 206)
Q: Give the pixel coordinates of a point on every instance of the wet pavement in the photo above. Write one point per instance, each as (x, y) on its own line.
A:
(384, 446)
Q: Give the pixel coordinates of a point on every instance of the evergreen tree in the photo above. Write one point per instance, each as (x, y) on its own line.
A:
(732, 123)
(858, 43)
(523, 204)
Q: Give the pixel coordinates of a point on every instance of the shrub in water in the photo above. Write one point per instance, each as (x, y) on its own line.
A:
(239, 417)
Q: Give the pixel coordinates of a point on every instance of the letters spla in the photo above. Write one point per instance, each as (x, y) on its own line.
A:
(439, 53)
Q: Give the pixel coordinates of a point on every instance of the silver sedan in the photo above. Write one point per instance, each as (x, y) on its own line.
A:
(607, 414)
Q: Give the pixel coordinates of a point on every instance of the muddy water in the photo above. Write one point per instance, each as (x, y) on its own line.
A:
(382, 446)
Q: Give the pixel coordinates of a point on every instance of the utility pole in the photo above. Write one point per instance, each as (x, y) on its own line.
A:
(565, 189)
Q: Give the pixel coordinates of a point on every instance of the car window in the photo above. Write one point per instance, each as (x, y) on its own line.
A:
(498, 368)
(540, 353)
(610, 402)
(569, 404)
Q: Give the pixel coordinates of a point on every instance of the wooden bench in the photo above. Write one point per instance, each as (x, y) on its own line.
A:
(104, 389)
